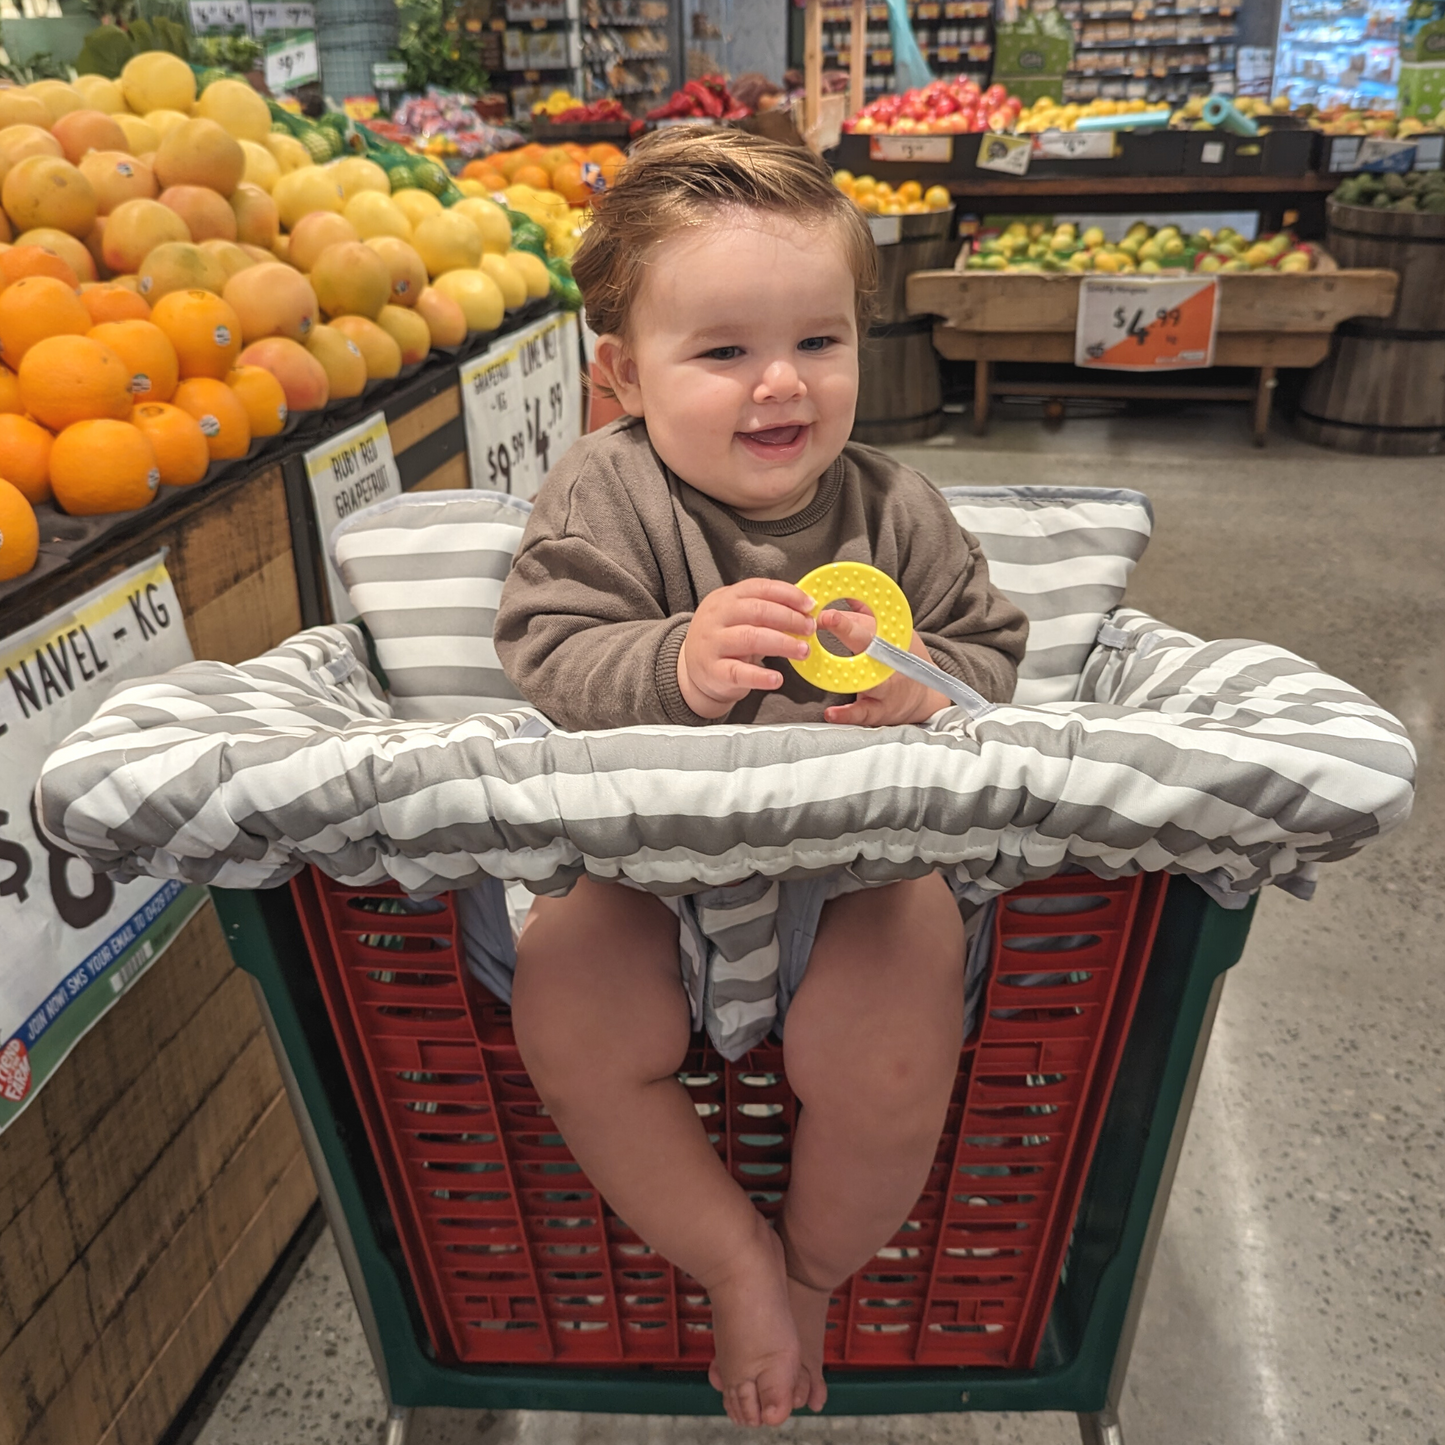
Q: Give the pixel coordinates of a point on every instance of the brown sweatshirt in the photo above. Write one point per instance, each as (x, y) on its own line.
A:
(619, 551)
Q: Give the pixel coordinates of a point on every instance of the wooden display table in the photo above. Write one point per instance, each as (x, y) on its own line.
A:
(1265, 322)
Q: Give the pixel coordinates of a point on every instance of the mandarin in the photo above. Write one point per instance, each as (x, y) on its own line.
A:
(25, 456)
(100, 466)
(35, 308)
(263, 397)
(66, 379)
(204, 329)
(182, 453)
(19, 533)
(221, 414)
(148, 355)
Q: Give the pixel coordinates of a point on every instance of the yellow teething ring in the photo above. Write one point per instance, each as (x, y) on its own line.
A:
(829, 584)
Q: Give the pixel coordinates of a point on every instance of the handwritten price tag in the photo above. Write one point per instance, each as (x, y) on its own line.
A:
(350, 471)
(1007, 153)
(210, 16)
(523, 405)
(292, 63)
(1075, 145)
(927, 149)
(266, 18)
(1146, 325)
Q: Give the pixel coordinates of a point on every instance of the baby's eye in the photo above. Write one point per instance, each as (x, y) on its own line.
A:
(815, 343)
(724, 353)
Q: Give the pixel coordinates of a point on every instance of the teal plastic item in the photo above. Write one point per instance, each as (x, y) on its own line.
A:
(1141, 120)
(1082, 1359)
(1221, 114)
(910, 69)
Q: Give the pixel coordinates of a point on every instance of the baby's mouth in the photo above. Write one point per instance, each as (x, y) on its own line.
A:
(776, 436)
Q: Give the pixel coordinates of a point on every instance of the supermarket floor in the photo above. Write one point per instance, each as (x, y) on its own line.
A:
(1297, 1295)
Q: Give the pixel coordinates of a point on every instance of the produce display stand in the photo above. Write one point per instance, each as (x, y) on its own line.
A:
(1086, 1342)
(1266, 321)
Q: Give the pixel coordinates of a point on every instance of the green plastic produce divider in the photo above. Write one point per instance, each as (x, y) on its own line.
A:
(1197, 941)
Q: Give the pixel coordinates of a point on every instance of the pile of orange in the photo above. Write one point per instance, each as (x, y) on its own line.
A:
(547, 168)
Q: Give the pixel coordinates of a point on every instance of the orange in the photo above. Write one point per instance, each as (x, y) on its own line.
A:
(148, 354)
(19, 533)
(221, 415)
(10, 392)
(34, 308)
(533, 176)
(262, 396)
(25, 456)
(549, 160)
(182, 454)
(110, 301)
(21, 261)
(603, 151)
(567, 182)
(103, 466)
(204, 329)
(66, 379)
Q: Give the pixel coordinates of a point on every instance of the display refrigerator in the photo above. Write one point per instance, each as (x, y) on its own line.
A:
(1339, 52)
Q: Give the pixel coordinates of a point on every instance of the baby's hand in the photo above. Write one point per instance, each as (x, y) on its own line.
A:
(731, 632)
(896, 699)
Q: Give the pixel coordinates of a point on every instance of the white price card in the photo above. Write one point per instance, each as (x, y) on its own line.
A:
(1009, 154)
(921, 149)
(210, 16)
(349, 471)
(523, 405)
(72, 942)
(266, 18)
(1146, 324)
(292, 63)
(1075, 145)
(886, 230)
(388, 74)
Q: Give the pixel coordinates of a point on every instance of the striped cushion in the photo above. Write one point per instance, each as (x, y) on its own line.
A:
(1062, 554)
(425, 572)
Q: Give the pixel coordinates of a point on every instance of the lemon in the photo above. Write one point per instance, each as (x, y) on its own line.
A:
(534, 272)
(509, 280)
(416, 204)
(236, 108)
(262, 168)
(937, 198)
(157, 80)
(909, 191)
(374, 214)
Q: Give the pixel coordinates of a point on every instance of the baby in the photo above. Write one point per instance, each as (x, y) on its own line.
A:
(728, 281)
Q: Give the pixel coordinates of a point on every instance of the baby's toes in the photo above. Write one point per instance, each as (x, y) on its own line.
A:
(775, 1392)
(741, 1403)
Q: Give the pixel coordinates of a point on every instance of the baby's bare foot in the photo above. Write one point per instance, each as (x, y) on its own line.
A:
(757, 1366)
(810, 1315)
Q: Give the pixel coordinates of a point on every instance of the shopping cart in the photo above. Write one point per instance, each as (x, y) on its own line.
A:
(1017, 1289)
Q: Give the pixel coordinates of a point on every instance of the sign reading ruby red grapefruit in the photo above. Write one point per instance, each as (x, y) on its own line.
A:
(1146, 323)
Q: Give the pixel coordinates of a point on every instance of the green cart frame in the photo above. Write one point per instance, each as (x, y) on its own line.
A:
(1085, 1352)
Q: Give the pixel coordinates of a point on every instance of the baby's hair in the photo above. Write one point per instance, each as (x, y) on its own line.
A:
(687, 176)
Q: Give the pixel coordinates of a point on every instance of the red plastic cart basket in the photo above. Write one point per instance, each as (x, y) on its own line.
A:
(516, 1258)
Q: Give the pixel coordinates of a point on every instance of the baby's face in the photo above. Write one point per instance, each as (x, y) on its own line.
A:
(744, 359)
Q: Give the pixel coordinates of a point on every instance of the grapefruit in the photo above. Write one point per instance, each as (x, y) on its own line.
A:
(290, 154)
(200, 153)
(157, 80)
(134, 229)
(272, 299)
(447, 242)
(180, 266)
(57, 97)
(313, 233)
(355, 174)
(477, 294)
(301, 375)
(534, 273)
(117, 177)
(408, 330)
(261, 166)
(341, 359)
(49, 191)
(408, 275)
(236, 108)
(100, 94)
(373, 214)
(304, 190)
(140, 137)
(17, 108)
(258, 223)
(207, 214)
(444, 317)
(350, 279)
(491, 223)
(21, 140)
(231, 257)
(378, 349)
(163, 122)
(79, 131)
(416, 205)
(508, 279)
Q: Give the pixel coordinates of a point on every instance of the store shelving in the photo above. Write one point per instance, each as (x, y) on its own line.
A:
(628, 51)
(1127, 51)
(1341, 53)
(955, 36)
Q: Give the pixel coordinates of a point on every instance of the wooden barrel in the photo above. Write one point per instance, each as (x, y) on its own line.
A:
(1382, 388)
(900, 396)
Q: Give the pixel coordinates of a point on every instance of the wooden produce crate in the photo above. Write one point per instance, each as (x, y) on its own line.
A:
(150, 1186)
(1265, 322)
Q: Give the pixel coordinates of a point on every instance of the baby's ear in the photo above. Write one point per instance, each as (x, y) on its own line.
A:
(617, 373)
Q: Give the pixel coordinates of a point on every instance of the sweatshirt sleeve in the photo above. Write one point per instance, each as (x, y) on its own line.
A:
(971, 630)
(582, 627)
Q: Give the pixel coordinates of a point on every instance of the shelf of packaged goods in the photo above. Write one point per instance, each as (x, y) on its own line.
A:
(1146, 185)
(1147, 12)
(1224, 37)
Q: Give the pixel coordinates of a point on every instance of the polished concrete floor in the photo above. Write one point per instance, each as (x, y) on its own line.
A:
(1299, 1291)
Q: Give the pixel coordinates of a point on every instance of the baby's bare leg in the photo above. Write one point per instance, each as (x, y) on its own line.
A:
(871, 1049)
(602, 1023)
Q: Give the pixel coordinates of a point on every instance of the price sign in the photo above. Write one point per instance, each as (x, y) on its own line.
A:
(211, 16)
(1075, 145)
(292, 63)
(886, 230)
(1139, 324)
(911, 148)
(1007, 153)
(1379, 154)
(389, 74)
(71, 942)
(350, 471)
(523, 401)
(266, 18)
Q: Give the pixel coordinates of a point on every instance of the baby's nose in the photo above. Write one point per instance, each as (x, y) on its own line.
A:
(780, 380)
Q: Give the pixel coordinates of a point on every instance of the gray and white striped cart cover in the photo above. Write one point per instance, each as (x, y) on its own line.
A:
(1130, 746)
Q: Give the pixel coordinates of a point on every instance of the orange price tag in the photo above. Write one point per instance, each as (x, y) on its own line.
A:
(1139, 324)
